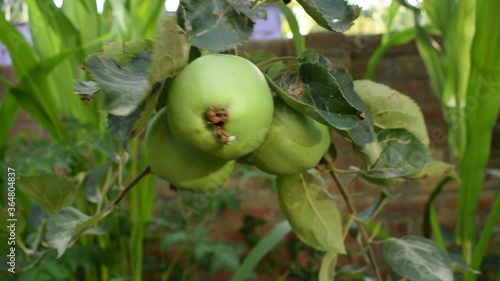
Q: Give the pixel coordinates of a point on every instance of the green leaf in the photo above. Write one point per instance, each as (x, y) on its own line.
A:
(68, 223)
(23, 56)
(57, 21)
(123, 52)
(403, 155)
(459, 265)
(486, 234)
(52, 192)
(61, 227)
(315, 92)
(124, 128)
(362, 136)
(31, 94)
(311, 211)
(440, 12)
(334, 15)
(417, 259)
(170, 51)
(122, 86)
(218, 25)
(432, 56)
(264, 246)
(391, 109)
(434, 168)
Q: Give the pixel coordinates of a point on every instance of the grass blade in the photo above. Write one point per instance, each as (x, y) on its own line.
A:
(264, 246)
(399, 38)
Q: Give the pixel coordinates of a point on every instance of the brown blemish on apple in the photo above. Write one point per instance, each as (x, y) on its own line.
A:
(217, 116)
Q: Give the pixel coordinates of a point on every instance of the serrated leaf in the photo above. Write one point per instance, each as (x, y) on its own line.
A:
(61, 226)
(391, 109)
(218, 25)
(170, 51)
(312, 56)
(403, 155)
(312, 90)
(311, 211)
(417, 259)
(334, 15)
(67, 224)
(123, 87)
(51, 192)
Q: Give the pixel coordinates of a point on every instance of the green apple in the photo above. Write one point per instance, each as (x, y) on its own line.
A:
(220, 104)
(179, 164)
(294, 143)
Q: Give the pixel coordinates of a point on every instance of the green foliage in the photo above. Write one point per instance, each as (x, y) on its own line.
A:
(265, 245)
(311, 211)
(218, 25)
(313, 89)
(51, 192)
(418, 259)
(461, 67)
(333, 15)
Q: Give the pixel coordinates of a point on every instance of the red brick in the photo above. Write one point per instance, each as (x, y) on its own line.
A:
(383, 69)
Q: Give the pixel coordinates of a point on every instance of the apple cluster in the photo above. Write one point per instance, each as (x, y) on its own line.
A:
(220, 111)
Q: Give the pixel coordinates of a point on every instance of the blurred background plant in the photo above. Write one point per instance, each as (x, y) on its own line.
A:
(78, 145)
(457, 44)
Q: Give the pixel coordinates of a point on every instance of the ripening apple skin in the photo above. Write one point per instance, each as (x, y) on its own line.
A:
(179, 164)
(294, 143)
(227, 82)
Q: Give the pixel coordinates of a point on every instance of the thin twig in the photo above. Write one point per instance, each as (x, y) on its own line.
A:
(273, 60)
(362, 228)
(131, 184)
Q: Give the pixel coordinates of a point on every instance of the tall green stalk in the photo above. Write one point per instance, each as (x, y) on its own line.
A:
(482, 107)
(465, 75)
